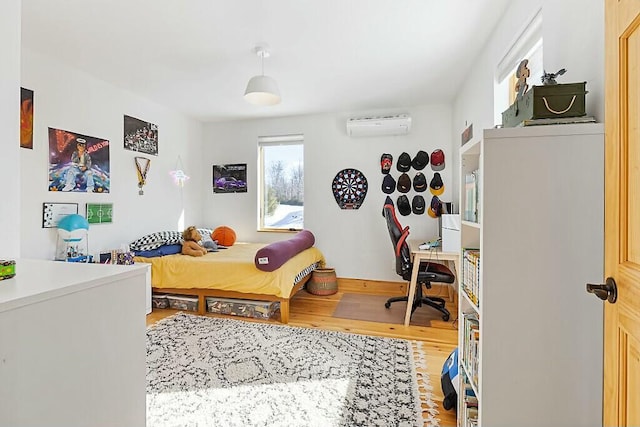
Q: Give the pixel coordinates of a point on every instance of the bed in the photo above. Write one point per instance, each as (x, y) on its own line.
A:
(232, 273)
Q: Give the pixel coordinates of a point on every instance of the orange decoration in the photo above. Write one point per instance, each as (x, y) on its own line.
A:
(224, 235)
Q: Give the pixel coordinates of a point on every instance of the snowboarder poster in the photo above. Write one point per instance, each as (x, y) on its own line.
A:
(78, 162)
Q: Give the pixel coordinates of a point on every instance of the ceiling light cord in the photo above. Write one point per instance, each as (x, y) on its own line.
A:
(262, 56)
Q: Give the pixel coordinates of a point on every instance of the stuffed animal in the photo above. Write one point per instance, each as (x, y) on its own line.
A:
(190, 245)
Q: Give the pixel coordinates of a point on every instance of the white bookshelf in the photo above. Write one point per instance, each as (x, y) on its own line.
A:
(539, 231)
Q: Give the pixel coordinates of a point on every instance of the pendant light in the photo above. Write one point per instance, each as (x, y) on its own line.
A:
(262, 90)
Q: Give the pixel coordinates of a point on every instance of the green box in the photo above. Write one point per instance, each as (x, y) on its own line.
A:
(7, 269)
(546, 102)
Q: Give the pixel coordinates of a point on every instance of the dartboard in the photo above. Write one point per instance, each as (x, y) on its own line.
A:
(349, 188)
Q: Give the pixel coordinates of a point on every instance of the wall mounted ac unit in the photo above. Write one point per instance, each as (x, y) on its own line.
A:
(399, 124)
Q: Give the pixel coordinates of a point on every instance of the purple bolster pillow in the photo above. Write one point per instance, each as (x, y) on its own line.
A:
(272, 256)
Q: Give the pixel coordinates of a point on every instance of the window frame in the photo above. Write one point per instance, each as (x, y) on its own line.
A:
(271, 141)
(527, 45)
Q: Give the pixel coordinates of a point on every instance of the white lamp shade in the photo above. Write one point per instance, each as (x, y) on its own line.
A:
(262, 90)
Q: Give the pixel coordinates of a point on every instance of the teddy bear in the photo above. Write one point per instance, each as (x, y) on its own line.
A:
(190, 245)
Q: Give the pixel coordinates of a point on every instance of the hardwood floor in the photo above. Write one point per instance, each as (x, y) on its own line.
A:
(312, 311)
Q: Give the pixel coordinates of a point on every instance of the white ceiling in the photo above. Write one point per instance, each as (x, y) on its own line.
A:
(327, 55)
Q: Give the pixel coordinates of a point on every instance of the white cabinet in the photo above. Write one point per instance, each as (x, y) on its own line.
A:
(537, 223)
(72, 345)
(149, 292)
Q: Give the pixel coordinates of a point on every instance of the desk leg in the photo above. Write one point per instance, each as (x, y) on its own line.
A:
(412, 289)
(456, 265)
(456, 283)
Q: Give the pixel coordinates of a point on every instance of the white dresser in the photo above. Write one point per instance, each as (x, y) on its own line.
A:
(72, 345)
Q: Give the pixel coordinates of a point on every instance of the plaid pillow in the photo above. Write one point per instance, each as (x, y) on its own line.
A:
(205, 232)
(155, 240)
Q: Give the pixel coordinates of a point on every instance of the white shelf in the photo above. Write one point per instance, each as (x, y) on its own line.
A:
(534, 264)
(471, 224)
(470, 378)
(470, 148)
(466, 298)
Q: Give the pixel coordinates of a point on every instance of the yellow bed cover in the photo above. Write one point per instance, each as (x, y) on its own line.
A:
(231, 269)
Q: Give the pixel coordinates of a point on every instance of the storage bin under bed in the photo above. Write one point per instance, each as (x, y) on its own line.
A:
(177, 302)
(242, 307)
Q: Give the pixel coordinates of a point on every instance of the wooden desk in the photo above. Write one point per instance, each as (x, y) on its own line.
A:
(419, 255)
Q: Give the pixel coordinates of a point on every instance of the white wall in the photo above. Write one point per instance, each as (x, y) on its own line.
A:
(69, 99)
(573, 35)
(355, 242)
(9, 128)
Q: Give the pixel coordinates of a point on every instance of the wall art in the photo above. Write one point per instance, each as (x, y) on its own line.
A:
(99, 213)
(26, 118)
(140, 136)
(52, 213)
(78, 162)
(230, 178)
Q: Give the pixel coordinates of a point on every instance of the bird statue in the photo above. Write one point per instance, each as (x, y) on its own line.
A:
(550, 78)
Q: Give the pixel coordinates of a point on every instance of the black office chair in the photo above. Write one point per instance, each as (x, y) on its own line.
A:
(429, 271)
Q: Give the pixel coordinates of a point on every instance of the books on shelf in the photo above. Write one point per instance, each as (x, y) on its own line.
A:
(472, 196)
(470, 346)
(471, 275)
(469, 405)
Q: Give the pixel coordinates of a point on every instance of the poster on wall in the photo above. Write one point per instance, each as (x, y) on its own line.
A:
(99, 213)
(230, 178)
(78, 162)
(140, 136)
(26, 118)
(52, 213)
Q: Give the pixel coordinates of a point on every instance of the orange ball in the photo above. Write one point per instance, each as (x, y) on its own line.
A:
(224, 235)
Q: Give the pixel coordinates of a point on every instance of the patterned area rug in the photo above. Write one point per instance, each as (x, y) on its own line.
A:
(204, 371)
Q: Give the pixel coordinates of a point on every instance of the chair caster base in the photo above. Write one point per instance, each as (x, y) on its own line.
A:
(387, 304)
(445, 317)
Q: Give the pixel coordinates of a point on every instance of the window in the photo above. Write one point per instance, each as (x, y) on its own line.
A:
(527, 46)
(281, 186)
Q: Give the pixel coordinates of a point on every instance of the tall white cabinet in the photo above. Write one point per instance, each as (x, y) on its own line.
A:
(539, 233)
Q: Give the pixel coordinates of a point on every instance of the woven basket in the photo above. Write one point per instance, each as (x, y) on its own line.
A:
(323, 282)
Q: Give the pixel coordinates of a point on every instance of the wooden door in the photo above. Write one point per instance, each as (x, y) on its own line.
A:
(622, 212)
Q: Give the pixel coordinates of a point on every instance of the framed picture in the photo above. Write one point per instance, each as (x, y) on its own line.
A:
(78, 163)
(52, 213)
(26, 118)
(230, 178)
(140, 136)
(467, 134)
(99, 213)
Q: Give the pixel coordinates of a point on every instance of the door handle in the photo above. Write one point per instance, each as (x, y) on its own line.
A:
(606, 292)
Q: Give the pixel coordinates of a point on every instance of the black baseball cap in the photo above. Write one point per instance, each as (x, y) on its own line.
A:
(403, 205)
(388, 184)
(420, 182)
(435, 208)
(436, 186)
(404, 183)
(404, 162)
(418, 204)
(420, 160)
